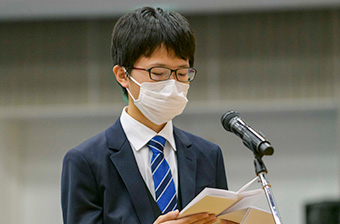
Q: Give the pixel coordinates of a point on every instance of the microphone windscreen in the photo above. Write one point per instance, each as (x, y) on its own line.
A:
(226, 118)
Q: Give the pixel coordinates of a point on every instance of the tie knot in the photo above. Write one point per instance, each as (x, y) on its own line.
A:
(156, 144)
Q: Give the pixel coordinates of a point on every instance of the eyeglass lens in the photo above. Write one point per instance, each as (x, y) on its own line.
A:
(183, 74)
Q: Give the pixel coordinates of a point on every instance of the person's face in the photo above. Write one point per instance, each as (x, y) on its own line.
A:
(160, 57)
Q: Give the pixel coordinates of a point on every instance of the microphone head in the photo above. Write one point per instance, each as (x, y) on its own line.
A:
(227, 117)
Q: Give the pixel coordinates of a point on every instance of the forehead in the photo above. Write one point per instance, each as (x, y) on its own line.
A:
(162, 56)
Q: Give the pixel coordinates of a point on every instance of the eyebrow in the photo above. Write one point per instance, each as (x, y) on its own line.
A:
(164, 65)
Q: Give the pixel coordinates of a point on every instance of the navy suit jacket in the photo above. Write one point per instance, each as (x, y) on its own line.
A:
(101, 182)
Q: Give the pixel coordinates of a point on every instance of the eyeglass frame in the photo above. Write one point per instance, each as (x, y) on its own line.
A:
(171, 71)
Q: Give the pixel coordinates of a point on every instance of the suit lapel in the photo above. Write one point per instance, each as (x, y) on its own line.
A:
(125, 163)
(186, 160)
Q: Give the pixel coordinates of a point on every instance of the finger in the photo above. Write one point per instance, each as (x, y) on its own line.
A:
(167, 217)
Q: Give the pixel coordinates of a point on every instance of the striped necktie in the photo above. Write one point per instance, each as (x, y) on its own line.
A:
(164, 184)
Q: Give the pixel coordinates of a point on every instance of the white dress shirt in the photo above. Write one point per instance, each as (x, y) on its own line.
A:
(139, 135)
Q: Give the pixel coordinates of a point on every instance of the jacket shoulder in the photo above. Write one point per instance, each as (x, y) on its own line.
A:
(197, 142)
(99, 144)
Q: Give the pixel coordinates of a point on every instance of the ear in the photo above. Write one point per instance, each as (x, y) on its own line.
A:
(121, 76)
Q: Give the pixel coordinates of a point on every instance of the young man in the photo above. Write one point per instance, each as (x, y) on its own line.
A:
(143, 169)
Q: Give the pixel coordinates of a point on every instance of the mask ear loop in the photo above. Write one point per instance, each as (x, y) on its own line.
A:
(130, 77)
(126, 72)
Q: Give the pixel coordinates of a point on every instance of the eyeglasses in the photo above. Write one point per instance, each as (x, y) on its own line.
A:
(163, 73)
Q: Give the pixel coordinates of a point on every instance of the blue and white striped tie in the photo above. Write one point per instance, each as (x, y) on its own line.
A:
(165, 190)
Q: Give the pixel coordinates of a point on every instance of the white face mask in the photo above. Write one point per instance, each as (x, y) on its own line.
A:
(161, 101)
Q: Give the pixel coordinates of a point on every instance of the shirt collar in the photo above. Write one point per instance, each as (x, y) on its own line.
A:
(139, 135)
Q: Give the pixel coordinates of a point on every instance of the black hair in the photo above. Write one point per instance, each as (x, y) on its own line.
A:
(140, 32)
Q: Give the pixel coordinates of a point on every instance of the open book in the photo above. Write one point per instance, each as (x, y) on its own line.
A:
(230, 205)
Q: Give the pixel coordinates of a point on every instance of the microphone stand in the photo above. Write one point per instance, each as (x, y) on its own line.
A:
(261, 172)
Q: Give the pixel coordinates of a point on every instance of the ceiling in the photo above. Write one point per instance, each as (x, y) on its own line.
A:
(47, 9)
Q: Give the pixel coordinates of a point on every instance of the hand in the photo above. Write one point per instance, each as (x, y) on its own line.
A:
(171, 218)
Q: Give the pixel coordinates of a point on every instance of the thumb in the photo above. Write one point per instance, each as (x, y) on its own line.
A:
(167, 217)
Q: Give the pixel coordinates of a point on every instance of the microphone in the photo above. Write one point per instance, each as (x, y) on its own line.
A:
(253, 140)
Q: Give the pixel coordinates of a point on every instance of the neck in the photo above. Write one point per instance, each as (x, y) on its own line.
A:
(134, 112)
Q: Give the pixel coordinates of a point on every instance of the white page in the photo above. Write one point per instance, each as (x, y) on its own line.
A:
(247, 185)
(248, 199)
(210, 192)
(216, 200)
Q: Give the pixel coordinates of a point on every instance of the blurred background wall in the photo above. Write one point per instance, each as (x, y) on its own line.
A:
(277, 63)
